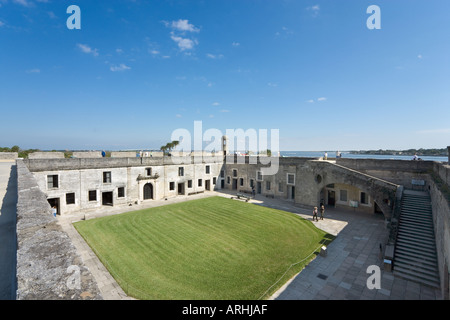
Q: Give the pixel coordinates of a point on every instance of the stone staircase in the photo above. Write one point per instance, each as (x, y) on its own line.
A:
(415, 256)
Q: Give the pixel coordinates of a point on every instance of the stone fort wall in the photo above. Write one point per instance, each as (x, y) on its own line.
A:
(44, 250)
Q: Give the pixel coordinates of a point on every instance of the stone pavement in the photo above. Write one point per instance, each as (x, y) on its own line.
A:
(341, 274)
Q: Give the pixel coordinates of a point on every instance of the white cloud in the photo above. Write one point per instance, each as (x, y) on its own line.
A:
(310, 101)
(224, 110)
(35, 70)
(86, 49)
(183, 25)
(214, 56)
(321, 99)
(24, 3)
(434, 131)
(51, 15)
(272, 84)
(120, 67)
(215, 104)
(178, 115)
(235, 44)
(183, 43)
(314, 10)
(178, 33)
(154, 52)
(1, 23)
(419, 56)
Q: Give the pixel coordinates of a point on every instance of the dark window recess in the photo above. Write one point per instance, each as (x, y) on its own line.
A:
(121, 192)
(92, 195)
(70, 198)
(189, 183)
(172, 186)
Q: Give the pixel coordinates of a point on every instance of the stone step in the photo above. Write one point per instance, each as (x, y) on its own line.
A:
(427, 224)
(418, 244)
(425, 238)
(417, 247)
(407, 273)
(418, 262)
(417, 224)
(404, 254)
(417, 210)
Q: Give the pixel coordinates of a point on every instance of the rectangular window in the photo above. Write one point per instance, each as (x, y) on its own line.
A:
(199, 182)
(189, 183)
(280, 187)
(148, 171)
(92, 195)
(107, 177)
(267, 185)
(121, 192)
(207, 169)
(234, 173)
(259, 176)
(364, 198)
(291, 178)
(228, 180)
(180, 171)
(172, 186)
(241, 182)
(252, 183)
(222, 173)
(343, 195)
(52, 181)
(70, 198)
(214, 180)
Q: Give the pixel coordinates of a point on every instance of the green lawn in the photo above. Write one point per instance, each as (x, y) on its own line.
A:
(212, 248)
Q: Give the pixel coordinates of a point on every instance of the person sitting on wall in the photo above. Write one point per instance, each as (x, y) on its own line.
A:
(415, 157)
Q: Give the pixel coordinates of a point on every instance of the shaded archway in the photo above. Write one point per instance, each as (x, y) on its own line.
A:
(148, 191)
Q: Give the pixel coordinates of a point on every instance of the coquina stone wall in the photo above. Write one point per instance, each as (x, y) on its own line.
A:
(439, 182)
(8, 155)
(48, 266)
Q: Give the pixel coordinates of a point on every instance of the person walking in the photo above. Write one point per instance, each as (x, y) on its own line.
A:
(315, 214)
(322, 210)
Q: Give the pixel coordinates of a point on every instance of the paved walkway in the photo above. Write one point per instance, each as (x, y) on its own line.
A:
(341, 274)
(8, 201)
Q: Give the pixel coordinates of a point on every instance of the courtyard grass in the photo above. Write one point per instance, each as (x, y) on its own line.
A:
(207, 249)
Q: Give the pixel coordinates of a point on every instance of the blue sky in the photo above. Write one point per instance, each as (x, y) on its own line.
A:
(138, 70)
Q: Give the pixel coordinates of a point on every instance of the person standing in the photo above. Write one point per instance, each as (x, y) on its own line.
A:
(325, 156)
(315, 214)
(54, 211)
(322, 210)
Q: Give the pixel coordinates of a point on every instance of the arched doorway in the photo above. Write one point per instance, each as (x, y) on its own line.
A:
(148, 191)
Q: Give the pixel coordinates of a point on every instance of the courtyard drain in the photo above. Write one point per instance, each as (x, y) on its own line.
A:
(322, 276)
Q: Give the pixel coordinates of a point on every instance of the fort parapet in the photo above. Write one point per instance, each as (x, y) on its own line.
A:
(8, 155)
(44, 251)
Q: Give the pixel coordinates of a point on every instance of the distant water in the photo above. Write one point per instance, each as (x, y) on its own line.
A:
(332, 154)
